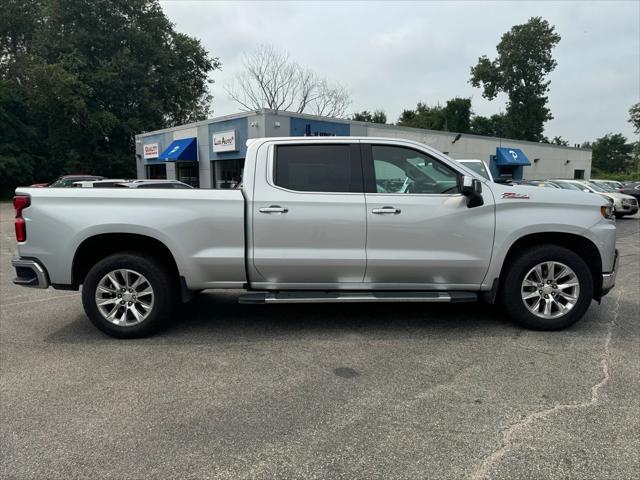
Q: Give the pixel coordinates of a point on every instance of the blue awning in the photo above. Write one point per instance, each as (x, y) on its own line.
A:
(511, 156)
(184, 150)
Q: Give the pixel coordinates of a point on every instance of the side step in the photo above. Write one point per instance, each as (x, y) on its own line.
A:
(357, 297)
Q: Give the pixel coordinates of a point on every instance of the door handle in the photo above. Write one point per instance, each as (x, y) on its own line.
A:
(274, 209)
(386, 211)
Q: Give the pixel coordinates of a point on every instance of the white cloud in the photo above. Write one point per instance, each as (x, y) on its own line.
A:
(392, 55)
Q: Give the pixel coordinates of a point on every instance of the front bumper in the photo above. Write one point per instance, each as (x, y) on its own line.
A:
(30, 273)
(628, 208)
(609, 279)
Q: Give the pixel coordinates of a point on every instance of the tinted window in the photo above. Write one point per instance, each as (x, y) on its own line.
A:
(402, 170)
(155, 185)
(318, 168)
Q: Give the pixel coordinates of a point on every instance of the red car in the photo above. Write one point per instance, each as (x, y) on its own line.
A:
(67, 181)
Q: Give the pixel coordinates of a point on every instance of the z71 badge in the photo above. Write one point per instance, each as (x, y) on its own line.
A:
(514, 195)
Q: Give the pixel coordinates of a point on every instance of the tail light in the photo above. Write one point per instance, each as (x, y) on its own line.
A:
(20, 202)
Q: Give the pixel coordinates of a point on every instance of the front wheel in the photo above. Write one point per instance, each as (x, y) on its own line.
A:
(547, 288)
(128, 295)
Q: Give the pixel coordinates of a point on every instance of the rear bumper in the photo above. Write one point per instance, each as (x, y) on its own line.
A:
(609, 279)
(30, 273)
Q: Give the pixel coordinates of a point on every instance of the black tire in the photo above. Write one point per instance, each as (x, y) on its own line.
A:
(164, 291)
(619, 215)
(522, 264)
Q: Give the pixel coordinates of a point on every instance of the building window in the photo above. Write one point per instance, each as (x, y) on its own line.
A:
(156, 172)
(578, 174)
(187, 172)
(226, 174)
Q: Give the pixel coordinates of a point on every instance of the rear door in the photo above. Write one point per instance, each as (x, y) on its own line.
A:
(420, 232)
(309, 219)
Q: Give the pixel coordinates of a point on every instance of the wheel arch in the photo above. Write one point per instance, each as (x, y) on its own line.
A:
(93, 249)
(578, 244)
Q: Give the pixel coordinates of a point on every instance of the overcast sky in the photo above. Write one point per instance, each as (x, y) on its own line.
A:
(392, 54)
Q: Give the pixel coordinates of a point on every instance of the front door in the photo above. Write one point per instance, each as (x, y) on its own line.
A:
(309, 219)
(420, 232)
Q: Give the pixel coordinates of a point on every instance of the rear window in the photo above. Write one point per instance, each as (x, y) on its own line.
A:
(318, 168)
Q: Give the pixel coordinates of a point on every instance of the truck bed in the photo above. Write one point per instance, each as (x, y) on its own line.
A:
(204, 229)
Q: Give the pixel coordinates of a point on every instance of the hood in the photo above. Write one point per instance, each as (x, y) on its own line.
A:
(618, 195)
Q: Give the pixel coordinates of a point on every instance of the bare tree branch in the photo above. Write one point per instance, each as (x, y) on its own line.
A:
(270, 79)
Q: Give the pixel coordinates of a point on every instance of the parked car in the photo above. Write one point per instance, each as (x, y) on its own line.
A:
(478, 166)
(613, 184)
(623, 204)
(104, 183)
(67, 181)
(536, 183)
(154, 184)
(632, 189)
(322, 219)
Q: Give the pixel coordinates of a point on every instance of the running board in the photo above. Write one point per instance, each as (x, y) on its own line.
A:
(357, 297)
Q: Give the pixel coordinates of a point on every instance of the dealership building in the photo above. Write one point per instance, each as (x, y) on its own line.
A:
(210, 153)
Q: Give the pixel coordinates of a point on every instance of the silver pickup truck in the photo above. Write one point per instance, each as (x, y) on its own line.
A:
(334, 219)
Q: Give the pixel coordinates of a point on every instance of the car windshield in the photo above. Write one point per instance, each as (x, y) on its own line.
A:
(604, 186)
(597, 188)
(568, 185)
(477, 167)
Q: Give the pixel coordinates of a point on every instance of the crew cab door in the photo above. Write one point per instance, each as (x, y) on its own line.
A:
(420, 232)
(309, 219)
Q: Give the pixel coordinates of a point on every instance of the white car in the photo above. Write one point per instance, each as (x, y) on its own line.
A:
(622, 204)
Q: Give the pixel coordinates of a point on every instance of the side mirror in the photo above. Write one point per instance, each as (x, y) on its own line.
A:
(472, 189)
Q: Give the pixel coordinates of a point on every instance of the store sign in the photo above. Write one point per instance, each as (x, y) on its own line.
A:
(224, 141)
(151, 150)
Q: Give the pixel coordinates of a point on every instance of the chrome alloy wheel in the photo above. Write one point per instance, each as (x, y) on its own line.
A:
(550, 290)
(124, 297)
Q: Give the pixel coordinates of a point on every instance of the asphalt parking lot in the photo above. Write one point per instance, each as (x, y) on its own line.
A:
(319, 391)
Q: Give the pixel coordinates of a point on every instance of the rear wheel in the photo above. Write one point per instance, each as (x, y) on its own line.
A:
(547, 288)
(128, 295)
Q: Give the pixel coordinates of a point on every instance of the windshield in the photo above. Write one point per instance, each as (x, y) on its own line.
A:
(567, 185)
(477, 167)
(597, 188)
(604, 186)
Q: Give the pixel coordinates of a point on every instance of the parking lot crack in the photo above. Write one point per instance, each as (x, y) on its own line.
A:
(509, 433)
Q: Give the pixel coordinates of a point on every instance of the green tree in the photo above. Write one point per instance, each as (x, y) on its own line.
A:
(423, 116)
(378, 116)
(557, 140)
(493, 126)
(520, 70)
(612, 153)
(634, 117)
(455, 116)
(85, 76)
